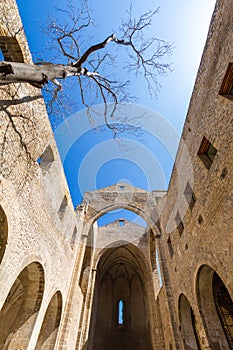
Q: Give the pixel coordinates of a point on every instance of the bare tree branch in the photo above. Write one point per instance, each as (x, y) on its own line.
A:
(145, 57)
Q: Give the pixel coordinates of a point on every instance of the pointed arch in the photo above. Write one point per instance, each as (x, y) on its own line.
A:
(124, 269)
(214, 300)
(188, 324)
(51, 322)
(19, 312)
(143, 212)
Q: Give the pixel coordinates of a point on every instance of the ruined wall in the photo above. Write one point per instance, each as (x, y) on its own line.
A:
(123, 266)
(41, 225)
(197, 222)
(49, 255)
(118, 238)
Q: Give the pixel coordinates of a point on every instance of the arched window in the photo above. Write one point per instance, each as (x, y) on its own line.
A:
(121, 307)
(216, 308)
(19, 312)
(120, 310)
(49, 329)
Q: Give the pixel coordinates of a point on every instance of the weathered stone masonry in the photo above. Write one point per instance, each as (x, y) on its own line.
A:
(62, 278)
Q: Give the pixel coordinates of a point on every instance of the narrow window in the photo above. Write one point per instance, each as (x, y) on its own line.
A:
(180, 225)
(152, 251)
(121, 223)
(46, 160)
(207, 152)
(226, 88)
(121, 187)
(159, 269)
(200, 219)
(121, 310)
(1, 55)
(190, 196)
(73, 238)
(62, 209)
(170, 248)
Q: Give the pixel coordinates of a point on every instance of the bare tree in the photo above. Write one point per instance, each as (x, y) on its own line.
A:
(87, 64)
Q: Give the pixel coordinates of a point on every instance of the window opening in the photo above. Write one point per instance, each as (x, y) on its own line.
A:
(180, 225)
(63, 206)
(170, 248)
(152, 251)
(1, 55)
(122, 187)
(207, 152)
(159, 269)
(73, 238)
(46, 160)
(121, 223)
(200, 219)
(226, 88)
(190, 196)
(121, 310)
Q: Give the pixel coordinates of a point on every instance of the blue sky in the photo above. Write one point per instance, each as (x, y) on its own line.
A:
(92, 159)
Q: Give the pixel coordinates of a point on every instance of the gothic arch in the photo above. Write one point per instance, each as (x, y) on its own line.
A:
(51, 322)
(138, 255)
(121, 276)
(96, 204)
(141, 202)
(216, 308)
(94, 216)
(21, 307)
(188, 324)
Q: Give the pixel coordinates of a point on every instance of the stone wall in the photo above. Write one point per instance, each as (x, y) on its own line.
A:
(40, 252)
(202, 232)
(52, 256)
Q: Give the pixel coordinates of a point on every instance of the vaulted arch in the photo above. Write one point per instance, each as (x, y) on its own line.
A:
(49, 329)
(19, 312)
(121, 276)
(141, 202)
(188, 324)
(216, 308)
(94, 205)
(92, 216)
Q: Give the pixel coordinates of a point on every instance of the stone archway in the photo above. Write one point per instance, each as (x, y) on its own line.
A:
(216, 307)
(188, 324)
(146, 204)
(19, 312)
(49, 329)
(120, 311)
(94, 205)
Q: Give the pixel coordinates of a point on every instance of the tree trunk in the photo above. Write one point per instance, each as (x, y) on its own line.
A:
(14, 72)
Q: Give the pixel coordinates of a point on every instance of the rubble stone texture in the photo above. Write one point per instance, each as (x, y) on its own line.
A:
(63, 278)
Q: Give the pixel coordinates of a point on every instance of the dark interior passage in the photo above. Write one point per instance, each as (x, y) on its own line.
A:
(120, 317)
